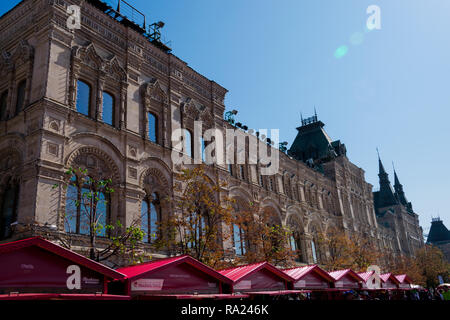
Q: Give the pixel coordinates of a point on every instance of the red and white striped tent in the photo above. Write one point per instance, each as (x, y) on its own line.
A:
(346, 279)
(310, 277)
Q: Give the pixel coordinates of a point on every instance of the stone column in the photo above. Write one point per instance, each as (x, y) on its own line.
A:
(99, 99)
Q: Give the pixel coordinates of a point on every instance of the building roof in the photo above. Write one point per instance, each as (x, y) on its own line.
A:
(153, 266)
(365, 275)
(238, 273)
(300, 272)
(338, 274)
(438, 232)
(312, 142)
(403, 278)
(389, 276)
(63, 252)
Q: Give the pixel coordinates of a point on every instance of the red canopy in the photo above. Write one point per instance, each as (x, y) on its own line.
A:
(346, 279)
(192, 296)
(37, 265)
(405, 282)
(182, 274)
(257, 276)
(389, 281)
(277, 293)
(311, 277)
(61, 296)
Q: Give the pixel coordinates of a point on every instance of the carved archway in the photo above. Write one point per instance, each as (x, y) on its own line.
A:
(99, 164)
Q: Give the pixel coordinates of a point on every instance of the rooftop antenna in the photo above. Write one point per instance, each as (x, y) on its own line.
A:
(315, 112)
(378, 153)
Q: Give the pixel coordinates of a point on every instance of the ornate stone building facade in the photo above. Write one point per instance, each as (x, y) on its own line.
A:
(105, 98)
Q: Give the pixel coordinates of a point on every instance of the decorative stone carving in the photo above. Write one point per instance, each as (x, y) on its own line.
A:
(99, 164)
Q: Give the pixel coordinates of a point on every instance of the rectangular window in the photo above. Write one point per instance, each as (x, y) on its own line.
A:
(152, 127)
(108, 109)
(83, 97)
(3, 105)
(20, 96)
(314, 253)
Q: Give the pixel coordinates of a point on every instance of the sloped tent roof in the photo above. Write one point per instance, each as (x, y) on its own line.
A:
(36, 265)
(310, 277)
(388, 280)
(404, 281)
(365, 275)
(181, 274)
(257, 276)
(346, 278)
(61, 296)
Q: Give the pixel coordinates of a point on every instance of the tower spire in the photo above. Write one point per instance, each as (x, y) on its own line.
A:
(387, 196)
(398, 187)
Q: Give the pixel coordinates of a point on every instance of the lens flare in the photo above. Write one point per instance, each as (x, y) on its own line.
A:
(340, 52)
(357, 38)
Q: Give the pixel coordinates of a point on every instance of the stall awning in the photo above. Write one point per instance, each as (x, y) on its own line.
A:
(192, 296)
(346, 278)
(61, 296)
(276, 292)
(181, 274)
(404, 281)
(36, 265)
(311, 277)
(257, 276)
(389, 280)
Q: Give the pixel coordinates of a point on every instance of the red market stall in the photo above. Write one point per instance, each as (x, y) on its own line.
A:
(258, 277)
(389, 281)
(366, 276)
(61, 296)
(176, 276)
(405, 282)
(36, 265)
(310, 277)
(346, 279)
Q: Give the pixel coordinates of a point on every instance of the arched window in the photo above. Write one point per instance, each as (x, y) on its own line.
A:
(295, 245)
(202, 144)
(152, 127)
(195, 229)
(238, 240)
(108, 109)
(293, 242)
(3, 104)
(20, 96)
(8, 211)
(83, 97)
(151, 217)
(84, 203)
(271, 184)
(314, 251)
(187, 142)
(242, 172)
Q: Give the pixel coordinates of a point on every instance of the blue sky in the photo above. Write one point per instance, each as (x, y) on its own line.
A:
(276, 58)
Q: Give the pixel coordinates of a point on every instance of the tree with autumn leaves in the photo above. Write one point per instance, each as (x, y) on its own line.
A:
(348, 251)
(264, 235)
(358, 252)
(195, 227)
(204, 218)
(424, 268)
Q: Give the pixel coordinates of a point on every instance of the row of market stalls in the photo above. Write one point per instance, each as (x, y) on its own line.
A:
(35, 268)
